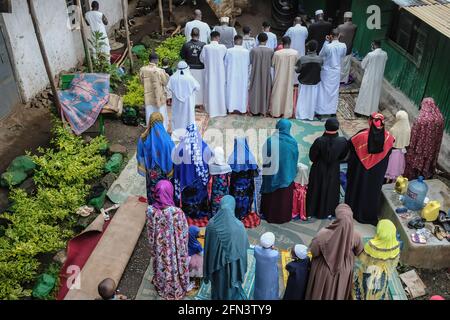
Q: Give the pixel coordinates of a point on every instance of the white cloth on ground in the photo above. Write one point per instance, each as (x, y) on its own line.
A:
(307, 101)
(237, 64)
(213, 56)
(149, 109)
(369, 94)
(328, 99)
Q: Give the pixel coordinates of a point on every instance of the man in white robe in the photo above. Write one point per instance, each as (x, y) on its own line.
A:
(213, 57)
(237, 64)
(272, 42)
(205, 30)
(370, 91)
(333, 52)
(298, 35)
(182, 85)
(97, 21)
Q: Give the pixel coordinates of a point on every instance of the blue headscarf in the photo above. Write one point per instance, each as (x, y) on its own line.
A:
(191, 161)
(194, 246)
(287, 157)
(242, 158)
(155, 148)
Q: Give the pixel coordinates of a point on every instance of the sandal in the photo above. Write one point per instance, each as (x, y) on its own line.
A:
(416, 238)
(440, 233)
(416, 223)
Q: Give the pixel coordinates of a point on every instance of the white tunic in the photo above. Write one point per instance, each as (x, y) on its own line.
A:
(237, 64)
(205, 30)
(95, 21)
(332, 54)
(298, 35)
(370, 91)
(183, 88)
(213, 56)
(307, 101)
(345, 68)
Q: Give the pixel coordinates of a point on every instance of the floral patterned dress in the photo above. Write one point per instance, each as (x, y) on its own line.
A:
(168, 237)
(220, 188)
(242, 188)
(153, 176)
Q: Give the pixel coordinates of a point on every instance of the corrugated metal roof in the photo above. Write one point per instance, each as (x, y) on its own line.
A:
(436, 13)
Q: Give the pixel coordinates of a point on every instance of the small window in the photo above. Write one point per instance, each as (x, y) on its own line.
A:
(409, 33)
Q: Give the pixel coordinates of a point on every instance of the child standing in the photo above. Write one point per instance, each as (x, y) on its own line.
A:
(195, 250)
(266, 274)
(220, 172)
(298, 273)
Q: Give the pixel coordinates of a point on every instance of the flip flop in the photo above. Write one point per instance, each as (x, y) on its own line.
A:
(416, 223)
(418, 239)
(440, 233)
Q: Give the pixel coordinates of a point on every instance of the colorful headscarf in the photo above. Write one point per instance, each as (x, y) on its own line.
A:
(385, 245)
(194, 245)
(155, 147)
(163, 195)
(191, 160)
(242, 158)
(372, 145)
(426, 138)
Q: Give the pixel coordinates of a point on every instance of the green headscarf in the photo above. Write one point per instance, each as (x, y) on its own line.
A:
(287, 158)
(226, 241)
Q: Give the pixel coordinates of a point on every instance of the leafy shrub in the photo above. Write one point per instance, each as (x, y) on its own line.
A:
(42, 223)
(135, 93)
(171, 49)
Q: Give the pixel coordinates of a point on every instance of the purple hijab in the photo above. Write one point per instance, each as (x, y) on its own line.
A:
(163, 195)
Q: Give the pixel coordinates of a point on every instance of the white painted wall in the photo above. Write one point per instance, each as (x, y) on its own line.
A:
(64, 46)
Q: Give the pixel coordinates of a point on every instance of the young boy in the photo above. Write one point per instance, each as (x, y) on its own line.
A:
(248, 42)
(298, 273)
(107, 290)
(166, 67)
(266, 273)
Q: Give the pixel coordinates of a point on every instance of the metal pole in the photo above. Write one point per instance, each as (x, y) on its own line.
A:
(44, 55)
(127, 30)
(83, 37)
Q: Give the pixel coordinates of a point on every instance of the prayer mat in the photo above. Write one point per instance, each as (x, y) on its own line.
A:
(346, 106)
(252, 220)
(285, 259)
(248, 285)
(201, 223)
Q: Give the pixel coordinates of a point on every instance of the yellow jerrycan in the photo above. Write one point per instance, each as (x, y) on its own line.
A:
(401, 185)
(431, 211)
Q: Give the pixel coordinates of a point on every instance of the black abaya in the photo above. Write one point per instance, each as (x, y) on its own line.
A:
(326, 153)
(363, 192)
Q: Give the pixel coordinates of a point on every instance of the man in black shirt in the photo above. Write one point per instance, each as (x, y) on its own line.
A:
(319, 30)
(190, 52)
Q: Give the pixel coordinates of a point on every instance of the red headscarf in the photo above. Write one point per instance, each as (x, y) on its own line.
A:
(368, 146)
(426, 139)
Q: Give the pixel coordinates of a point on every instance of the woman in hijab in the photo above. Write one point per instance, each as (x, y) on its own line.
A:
(402, 134)
(168, 237)
(225, 261)
(376, 264)
(242, 183)
(426, 138)
(367, 164)
(326, 154)
(183, 87)
(195, 253)
(333, 253)
(220, 172)
(154, 154)
(280, 156)
(191, 176)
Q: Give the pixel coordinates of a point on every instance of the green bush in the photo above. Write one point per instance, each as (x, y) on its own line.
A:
(135, 93)
(42, 224)
(171, 49)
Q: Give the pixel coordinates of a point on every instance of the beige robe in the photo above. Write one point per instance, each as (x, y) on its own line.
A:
(282, 100)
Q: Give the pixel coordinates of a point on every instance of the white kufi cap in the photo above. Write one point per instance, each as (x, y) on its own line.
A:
(301, 251)
(320, 11)
(267, 240)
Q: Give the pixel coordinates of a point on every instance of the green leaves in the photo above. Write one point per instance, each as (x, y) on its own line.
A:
(40, 224)
(135, 93)
(171, 48)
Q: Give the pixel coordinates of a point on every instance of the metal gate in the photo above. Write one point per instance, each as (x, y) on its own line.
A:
(9, 95)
